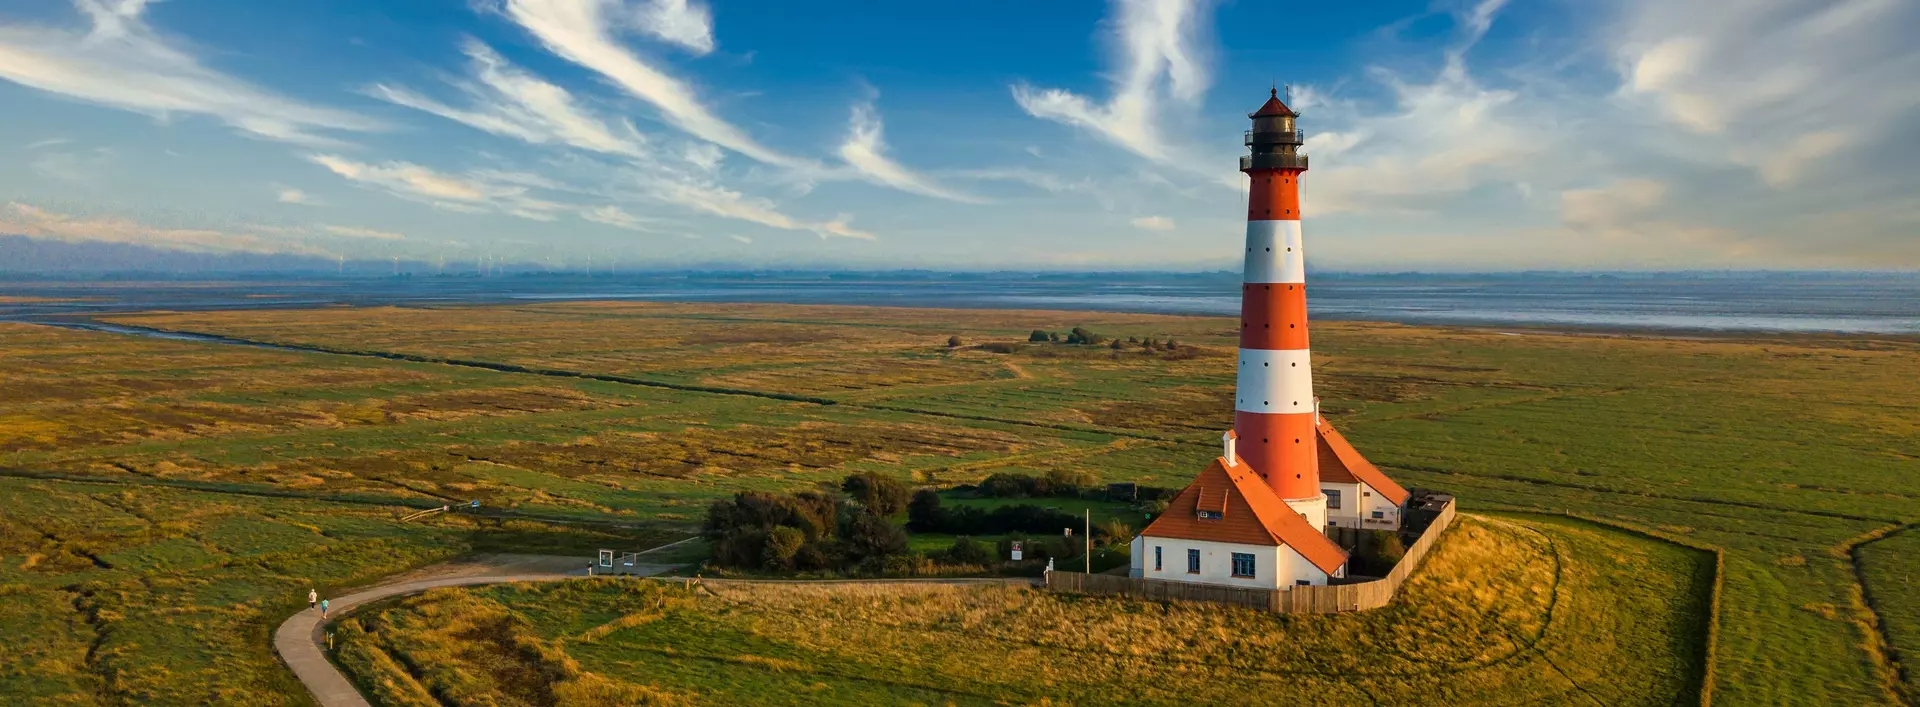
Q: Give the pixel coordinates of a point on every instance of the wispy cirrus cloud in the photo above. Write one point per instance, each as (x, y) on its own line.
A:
(1159, 53)
(685, 23)
(509, 102)
(1153, 223)
(122, 62)
(865, 150)
(36, 222)
(586, 33)
(295, 196)
(357, 232)
(474, 192)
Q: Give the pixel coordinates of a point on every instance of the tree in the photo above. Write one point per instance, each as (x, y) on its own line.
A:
(870, 536)
(953, 342)
(782, 544)
(924, 514)
(1039, 336)
(968, 551)
(884, 495)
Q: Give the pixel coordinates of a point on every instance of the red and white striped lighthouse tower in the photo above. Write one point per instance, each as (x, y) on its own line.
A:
(1273, 401)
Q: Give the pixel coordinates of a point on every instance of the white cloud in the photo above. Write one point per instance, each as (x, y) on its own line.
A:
(1158, 49)
(615, 216)
(513, 103)
(1779, 86)
(742, 239)
(295, 196)
(584, 32)
(719, 201)
(75, 166)
(1618, 204)
(475, 192)
(35, 222)
(49, 142)
(123, 63)
(353, 232)
(1153, 223)
(865, 150)
(688, 24)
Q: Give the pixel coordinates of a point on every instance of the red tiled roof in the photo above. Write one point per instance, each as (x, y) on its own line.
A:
(1341, 463)
(1252, 515)
(1273, 107)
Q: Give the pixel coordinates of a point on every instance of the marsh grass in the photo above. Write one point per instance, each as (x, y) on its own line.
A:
(1509, 611)
(1764, 447)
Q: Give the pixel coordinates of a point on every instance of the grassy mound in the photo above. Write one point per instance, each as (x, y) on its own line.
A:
(1509, 610)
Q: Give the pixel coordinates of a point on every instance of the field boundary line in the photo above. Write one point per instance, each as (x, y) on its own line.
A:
(1884, 656)
(610, 378)
(1708, 672)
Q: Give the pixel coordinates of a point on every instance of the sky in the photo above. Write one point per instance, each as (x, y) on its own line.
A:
(1453, 136)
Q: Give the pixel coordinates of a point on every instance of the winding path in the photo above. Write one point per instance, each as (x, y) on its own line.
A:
(300, 640)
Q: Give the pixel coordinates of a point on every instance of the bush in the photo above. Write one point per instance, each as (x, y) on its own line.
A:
(870, 536)
(1039, 336)
(953, 342)
(1000, 347)
(1116, 345)
(1063, 483)
(885, 495)
(924, 514)
(1082, 336)
(782, 545)
(968, 551)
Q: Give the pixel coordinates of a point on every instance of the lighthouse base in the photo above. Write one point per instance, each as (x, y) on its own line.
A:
(1315, 509)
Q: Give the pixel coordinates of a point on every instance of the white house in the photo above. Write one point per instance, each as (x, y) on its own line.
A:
(1358, 494)
(1228, 527)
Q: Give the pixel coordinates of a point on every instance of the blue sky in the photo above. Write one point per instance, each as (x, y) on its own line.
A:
(1488, 135)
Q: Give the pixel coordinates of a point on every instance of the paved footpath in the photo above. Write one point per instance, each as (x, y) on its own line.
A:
(301, 640)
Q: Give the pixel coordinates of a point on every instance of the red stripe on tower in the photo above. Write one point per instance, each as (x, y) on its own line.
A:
(1273, 397)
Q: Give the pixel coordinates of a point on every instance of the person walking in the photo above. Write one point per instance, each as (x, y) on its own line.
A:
(313, 598)
(323, 608)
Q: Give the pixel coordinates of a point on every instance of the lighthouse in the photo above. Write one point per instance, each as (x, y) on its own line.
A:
(1274, 410)
(1258, 515)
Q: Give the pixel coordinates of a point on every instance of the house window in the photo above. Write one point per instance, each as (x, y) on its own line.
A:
(1210, 515)
(1242, 564)
(1156, 557)
(1379, 514)
(1333, 499)
(1368, 494)
(1193, 562)
(1302, 583)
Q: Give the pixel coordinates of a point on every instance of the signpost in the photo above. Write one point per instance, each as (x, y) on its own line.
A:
(1016, 551)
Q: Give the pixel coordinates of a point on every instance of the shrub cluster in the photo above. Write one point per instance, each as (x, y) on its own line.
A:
(1062, 483)
(808, 530)
(926, 515)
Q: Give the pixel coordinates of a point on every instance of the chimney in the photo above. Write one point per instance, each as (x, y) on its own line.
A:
(1226, 442)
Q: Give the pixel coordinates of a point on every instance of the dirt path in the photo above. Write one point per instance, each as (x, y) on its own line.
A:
(300, 640)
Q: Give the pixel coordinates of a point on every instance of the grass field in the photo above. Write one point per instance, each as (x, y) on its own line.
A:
(1785, 453)
(1511, 611)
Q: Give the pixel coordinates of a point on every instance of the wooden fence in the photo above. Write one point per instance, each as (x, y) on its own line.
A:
(1329, 599)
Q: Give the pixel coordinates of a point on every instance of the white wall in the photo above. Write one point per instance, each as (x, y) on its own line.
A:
(1274, 567)
(1358, 501)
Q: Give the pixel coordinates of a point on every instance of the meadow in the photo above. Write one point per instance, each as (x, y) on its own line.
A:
(1791, 457)
(1512, 610)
